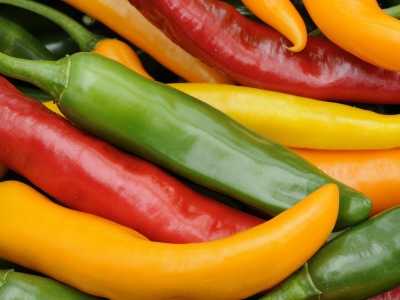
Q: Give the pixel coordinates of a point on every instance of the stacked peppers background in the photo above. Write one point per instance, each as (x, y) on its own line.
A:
(203, 160)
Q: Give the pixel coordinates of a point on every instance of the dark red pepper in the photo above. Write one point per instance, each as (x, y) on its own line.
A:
(88, 174)
(252, 53)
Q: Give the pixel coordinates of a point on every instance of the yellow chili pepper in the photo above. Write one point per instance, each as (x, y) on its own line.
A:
(300, 122)
(106, 259)
(128, 22)
(3, 170)
(361, 28)
(283, 16)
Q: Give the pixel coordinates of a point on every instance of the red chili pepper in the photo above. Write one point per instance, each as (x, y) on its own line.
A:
(88, 174)
(252, 54)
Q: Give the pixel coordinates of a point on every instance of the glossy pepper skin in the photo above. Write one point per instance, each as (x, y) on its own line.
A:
(18, 42)
(181, 133)
(376, 173)
(125, 20)
(358, 27)
(16, 285)
(87, 41)
(283, 16)
(362, 262)
(300, 122)
(251, 54)
(87, 174)
(106, 259)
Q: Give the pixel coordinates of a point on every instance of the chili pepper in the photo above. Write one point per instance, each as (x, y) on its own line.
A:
(361, 262)
(78, 249)
(284, 17)
(357, 27)
(17, 42)
(252, 54)
(300, 122)
(3, 170)
(390, 295)
(372, 172)
(58, 42)
(125, 20)
(87, 174)
(180, 133)
(87, 41)
(16, 285)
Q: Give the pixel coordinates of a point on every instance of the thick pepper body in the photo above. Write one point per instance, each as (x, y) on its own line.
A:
(253, 55)
(106, 259)
(87, 174)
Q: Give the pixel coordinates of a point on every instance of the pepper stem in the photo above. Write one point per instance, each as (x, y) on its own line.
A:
(50, 76)
(85, 39)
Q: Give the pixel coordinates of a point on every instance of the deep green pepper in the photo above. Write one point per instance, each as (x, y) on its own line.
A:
(181, 133)
(18, 42)
(360, 263)
(16, 285)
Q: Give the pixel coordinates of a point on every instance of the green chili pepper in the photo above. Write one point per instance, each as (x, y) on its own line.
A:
(18, 42)
(360, 263)
(16, 285)
(181, 133)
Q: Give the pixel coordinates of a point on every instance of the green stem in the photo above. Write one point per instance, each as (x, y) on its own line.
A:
(83, 37)
(393, 11)
(50, 76)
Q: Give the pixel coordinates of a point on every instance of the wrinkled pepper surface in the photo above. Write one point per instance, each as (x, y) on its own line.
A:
(362, 262)
(125, 20)
(252, 54)
(360, 27)
(90, 175)
(106, 259)
(181, 133)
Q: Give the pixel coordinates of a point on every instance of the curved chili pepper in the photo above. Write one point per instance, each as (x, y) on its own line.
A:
(180, 133)
(18, 42)
(362, 262)
(16, 285)
(300, 122)
(125, 20)
(79, 249)
(89, 175)
(252, 54)
(283, 16)
(358, 27)
(87, 41)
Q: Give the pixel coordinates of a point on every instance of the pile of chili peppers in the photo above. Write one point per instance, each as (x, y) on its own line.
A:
(180, 149)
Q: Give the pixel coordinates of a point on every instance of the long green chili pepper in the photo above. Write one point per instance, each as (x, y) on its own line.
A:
(360, 263)
(16, 285)
(181, 133)
(18, 42)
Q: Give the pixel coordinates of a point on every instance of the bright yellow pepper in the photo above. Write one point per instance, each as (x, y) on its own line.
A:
(3, 170)
(128, 22)
(103, 258)
(283, 16)
(300, 122)
(361, 28)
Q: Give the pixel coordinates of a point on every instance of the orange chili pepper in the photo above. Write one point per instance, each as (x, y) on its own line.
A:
(109, 260)
(376, 173)
(128, 22)
(283, 16)
(361, 28)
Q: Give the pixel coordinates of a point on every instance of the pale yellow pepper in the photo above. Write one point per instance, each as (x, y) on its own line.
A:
(105, 259)
(300, 122)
